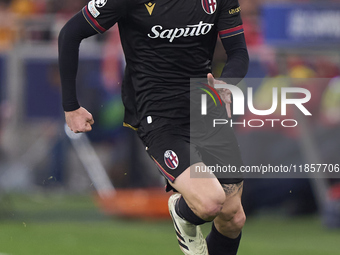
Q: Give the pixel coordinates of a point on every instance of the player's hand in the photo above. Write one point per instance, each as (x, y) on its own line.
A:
(79, 120)
(224, 93)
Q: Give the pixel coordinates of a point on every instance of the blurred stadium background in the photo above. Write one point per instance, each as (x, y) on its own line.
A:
(48, 180)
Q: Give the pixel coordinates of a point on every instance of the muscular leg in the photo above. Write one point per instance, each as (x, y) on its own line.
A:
(201, 200)
(225, 235)
(204, 195)
(232, 218)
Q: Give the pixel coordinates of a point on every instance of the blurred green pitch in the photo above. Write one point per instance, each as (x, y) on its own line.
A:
(72, 225)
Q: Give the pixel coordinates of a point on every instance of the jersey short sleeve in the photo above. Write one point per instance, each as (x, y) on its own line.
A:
(103, 14)
(229, 22)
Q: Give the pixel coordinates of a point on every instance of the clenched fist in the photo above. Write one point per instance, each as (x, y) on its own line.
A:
(79, 120)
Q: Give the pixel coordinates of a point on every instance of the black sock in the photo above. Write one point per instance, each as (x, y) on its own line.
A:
(219, 244)
(184, 211)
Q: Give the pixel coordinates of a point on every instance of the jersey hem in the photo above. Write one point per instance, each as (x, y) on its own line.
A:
(129, 126)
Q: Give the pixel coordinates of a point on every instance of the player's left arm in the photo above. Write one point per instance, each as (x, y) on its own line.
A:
(231, 32)
(235, 68)
(237, 63)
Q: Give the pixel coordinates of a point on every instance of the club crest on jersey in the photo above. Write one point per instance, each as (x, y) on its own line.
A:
(100, 3)
(209, 6)
(171, 159)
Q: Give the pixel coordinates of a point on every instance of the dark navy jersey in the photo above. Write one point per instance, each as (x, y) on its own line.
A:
(165, 42)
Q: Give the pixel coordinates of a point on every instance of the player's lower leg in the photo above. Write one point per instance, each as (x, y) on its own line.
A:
(221, 244)
(189, 235)
(225, 235)
(201, 200)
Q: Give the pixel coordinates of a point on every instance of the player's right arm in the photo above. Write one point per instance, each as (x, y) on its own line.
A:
(70, 37)
(96, 17)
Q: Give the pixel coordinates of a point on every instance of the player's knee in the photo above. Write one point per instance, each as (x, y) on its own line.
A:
(233, 227)
(233, 219)
(209, 211)
(209, 208)
(229, 215)
(239, 220)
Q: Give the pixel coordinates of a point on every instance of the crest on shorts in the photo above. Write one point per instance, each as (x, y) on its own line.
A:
(171, 159)
(209, 6)
(100, 3)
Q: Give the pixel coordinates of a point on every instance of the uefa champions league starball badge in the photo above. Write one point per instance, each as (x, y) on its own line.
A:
(100, 3)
